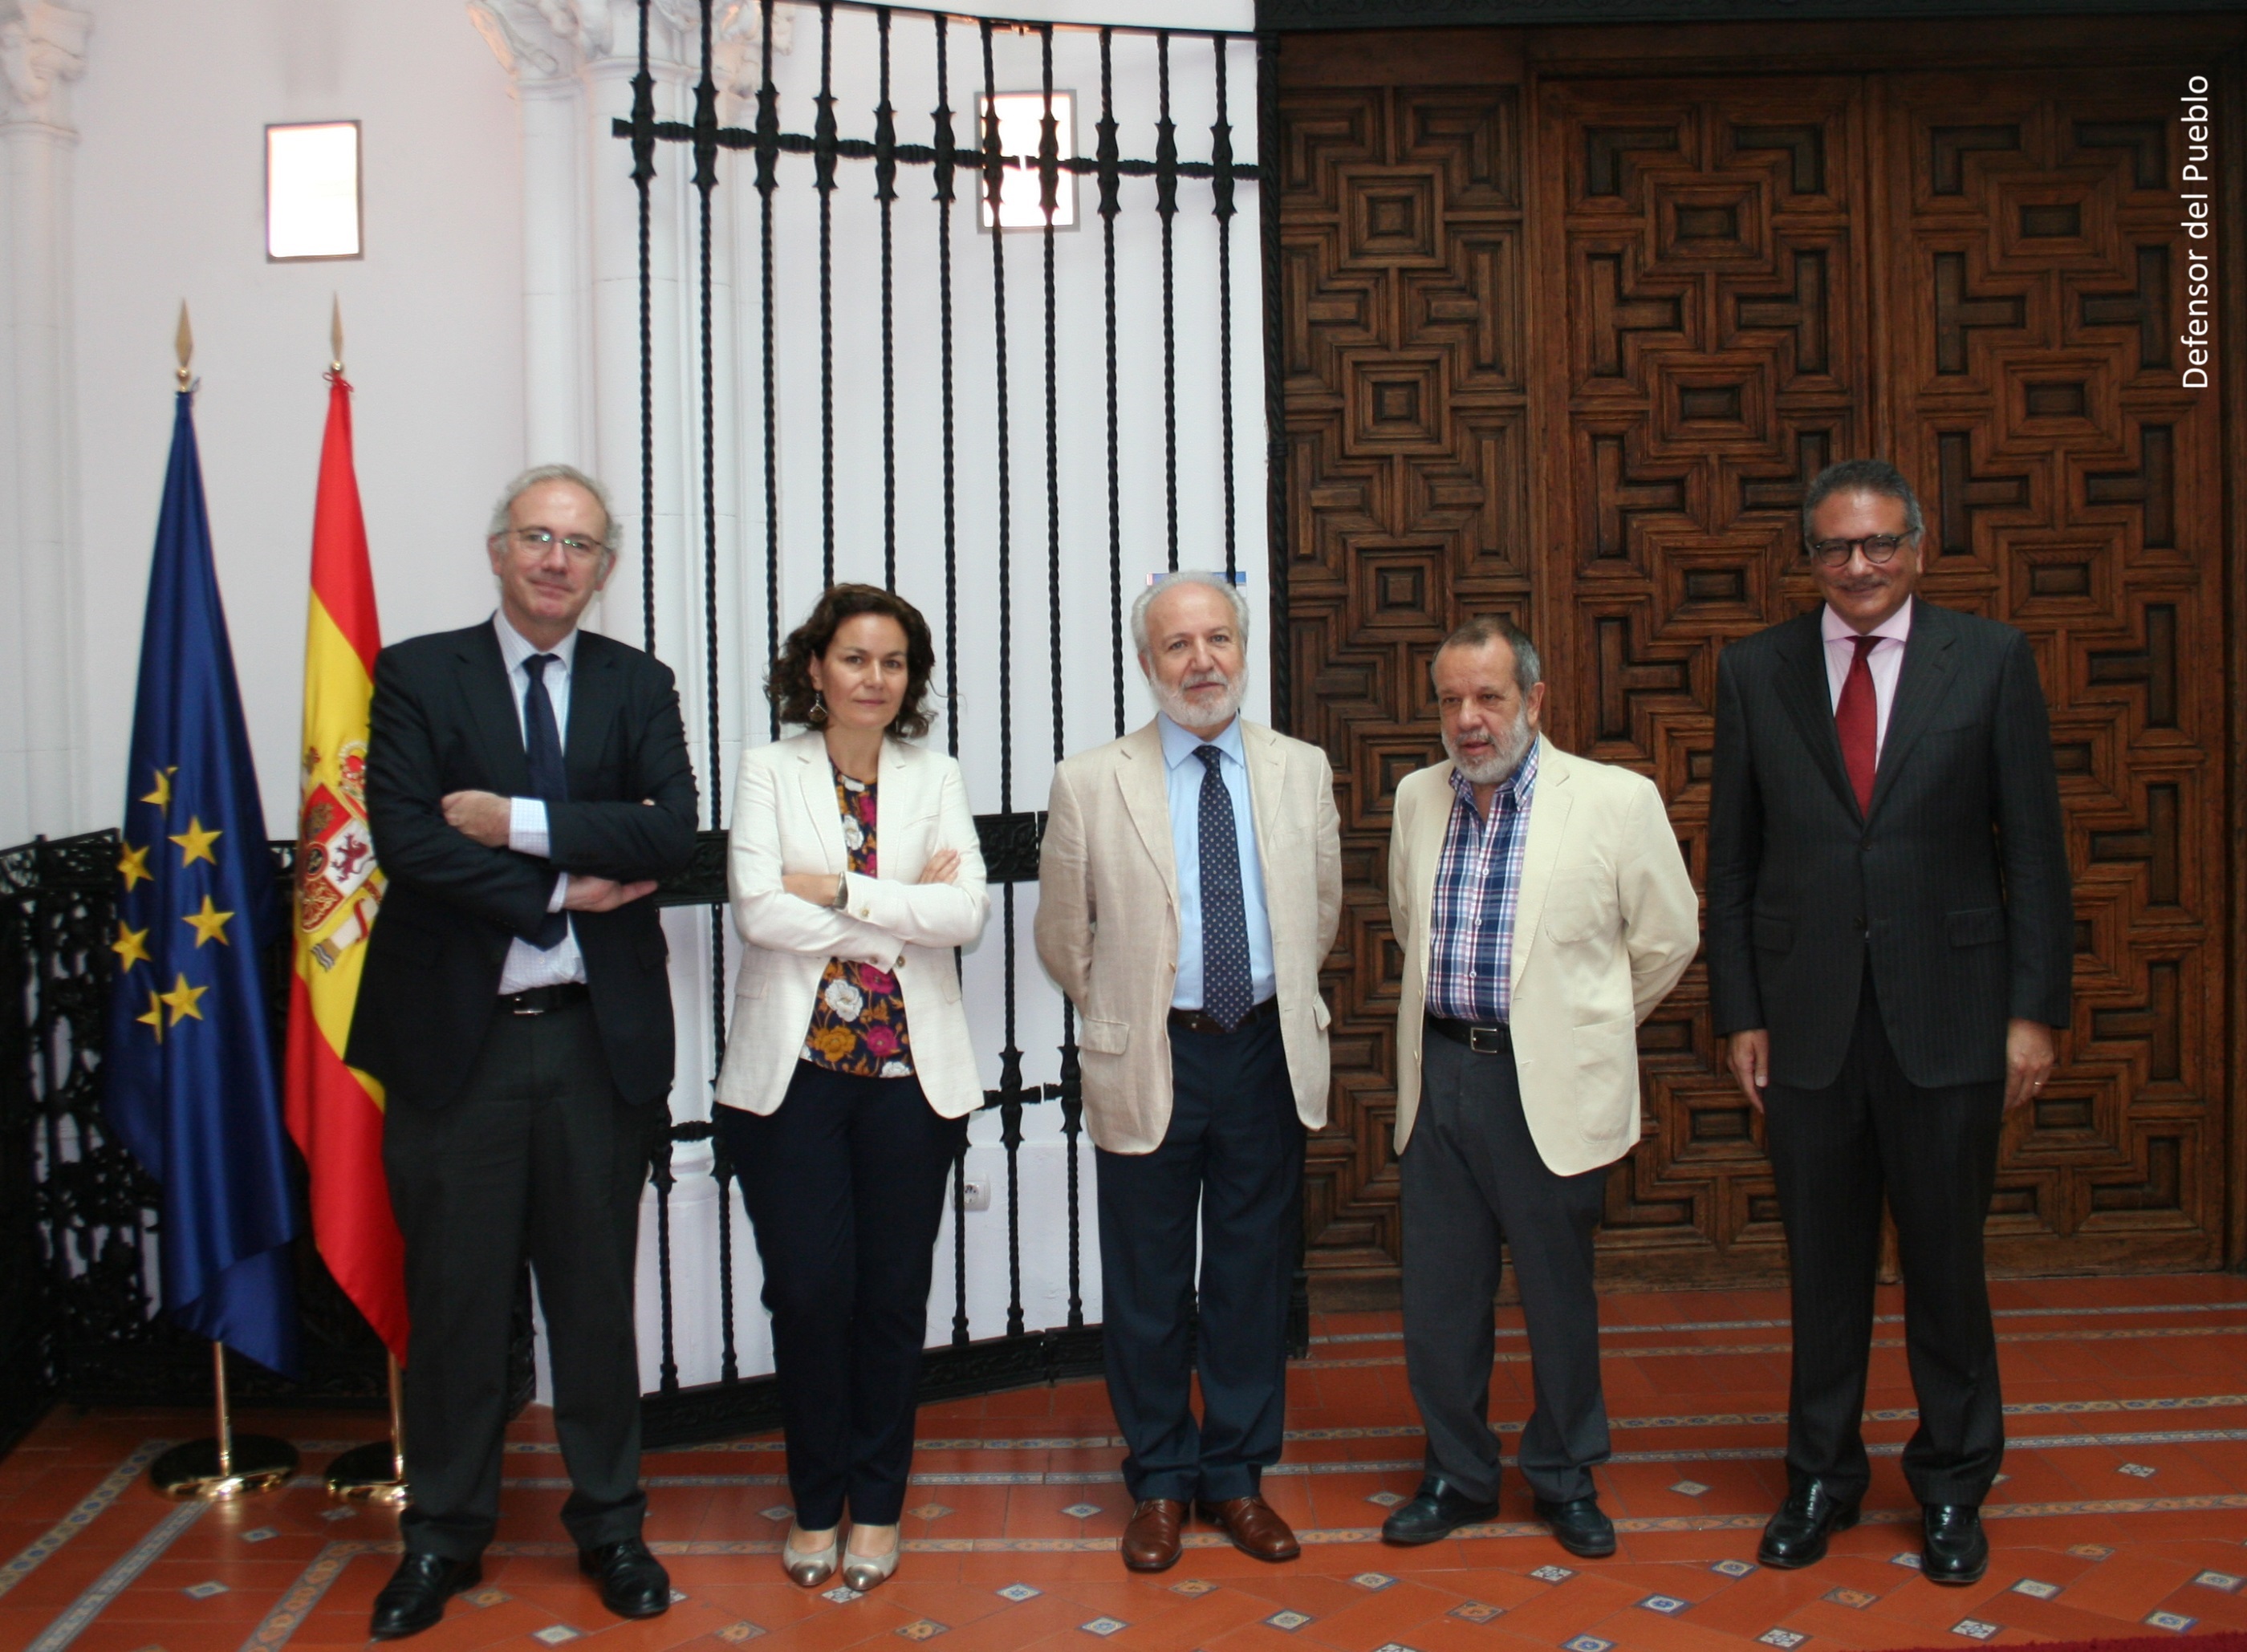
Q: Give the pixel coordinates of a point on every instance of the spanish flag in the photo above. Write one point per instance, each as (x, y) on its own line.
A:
(335, 1111)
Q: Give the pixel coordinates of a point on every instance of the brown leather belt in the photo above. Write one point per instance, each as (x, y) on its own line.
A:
(1194, 1020)
(540, 1000)
(1483, 1041)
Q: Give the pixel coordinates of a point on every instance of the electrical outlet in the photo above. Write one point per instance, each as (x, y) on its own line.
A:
(976, 1193)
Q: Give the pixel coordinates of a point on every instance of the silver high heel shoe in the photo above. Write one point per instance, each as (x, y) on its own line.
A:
(807, 1568)
(864, 1572)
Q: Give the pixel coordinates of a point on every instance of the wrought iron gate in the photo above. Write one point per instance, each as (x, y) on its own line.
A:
(78, 1224)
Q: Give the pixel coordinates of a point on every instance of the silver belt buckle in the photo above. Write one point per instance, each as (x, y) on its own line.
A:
(521, 1008)
(1496, 1035)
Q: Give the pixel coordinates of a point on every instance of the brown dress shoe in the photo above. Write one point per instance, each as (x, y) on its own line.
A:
(1151, 1542)
(1254, 1527)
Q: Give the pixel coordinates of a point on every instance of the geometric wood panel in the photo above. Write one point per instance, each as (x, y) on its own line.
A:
(1568, 345)
(2034, 288)
(1407, 475)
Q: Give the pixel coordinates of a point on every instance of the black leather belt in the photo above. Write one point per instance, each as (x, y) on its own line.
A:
(1194, 1020)
(1483, 1041)
(540, 1000)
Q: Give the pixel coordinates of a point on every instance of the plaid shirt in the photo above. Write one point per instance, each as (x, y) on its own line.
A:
(1477, 885)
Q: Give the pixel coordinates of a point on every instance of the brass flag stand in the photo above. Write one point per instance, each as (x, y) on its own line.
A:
(375, 1472)
(227, 1465)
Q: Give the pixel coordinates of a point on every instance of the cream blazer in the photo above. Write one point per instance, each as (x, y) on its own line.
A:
(1108, 918)
(785, 821)
(1606, 922)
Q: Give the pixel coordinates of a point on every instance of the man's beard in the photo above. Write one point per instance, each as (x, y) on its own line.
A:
(1173, 702)
(1508, 750)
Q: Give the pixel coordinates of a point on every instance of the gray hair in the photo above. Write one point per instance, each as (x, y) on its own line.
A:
(1863, 476)
(1485, 629)
(1188, 576)
(537, 473)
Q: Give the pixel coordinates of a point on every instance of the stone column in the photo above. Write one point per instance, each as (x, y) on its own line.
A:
(43, 785)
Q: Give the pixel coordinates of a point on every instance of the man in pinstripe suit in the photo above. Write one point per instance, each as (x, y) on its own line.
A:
(1890, 942)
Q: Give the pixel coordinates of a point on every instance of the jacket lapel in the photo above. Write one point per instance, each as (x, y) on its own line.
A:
(1809, 697)
(1548, 827)
(1268, 784)
(1145, 784)
(816, 783)
(593, 699)
(490, 700)
(1920, 687)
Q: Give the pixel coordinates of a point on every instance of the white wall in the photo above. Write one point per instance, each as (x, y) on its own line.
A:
(167, 201)
(170, 203)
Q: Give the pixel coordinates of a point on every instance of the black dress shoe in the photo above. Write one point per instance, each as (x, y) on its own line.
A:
(1796, 1535)
(414, 1598)
(633, 1582)
(1958, 1549)
(1579, 1526)
(1439, 1509)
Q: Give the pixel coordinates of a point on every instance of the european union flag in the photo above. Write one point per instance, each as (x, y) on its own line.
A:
(190, 1080)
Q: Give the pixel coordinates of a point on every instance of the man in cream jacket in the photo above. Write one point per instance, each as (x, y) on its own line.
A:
(1191, 884)
(1543, 910)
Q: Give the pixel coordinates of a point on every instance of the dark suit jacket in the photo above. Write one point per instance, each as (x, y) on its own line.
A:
(1954, 891)
(444, 720)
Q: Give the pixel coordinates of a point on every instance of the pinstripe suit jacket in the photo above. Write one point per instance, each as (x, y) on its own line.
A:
(1953, 889)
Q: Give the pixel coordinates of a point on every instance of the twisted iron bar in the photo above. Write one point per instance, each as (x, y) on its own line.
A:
(823, 162)
(1166, 205)
(885, 191)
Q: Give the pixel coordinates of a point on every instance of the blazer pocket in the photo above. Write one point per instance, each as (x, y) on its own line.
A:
(1773, 934)
(1105, 1038)
(1582, 907)
(1322, 1017)
(1978, 927)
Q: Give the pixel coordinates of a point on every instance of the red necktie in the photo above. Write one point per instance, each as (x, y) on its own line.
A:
(1856, 718)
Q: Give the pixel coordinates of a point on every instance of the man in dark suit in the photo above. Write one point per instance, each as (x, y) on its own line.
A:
(1890, 942)
(527, 783)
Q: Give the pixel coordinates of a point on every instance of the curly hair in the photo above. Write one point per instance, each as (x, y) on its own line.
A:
(789, 685)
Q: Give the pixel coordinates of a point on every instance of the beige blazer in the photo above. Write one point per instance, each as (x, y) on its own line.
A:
(785, 821)
(1606, 922)
(1108, 918)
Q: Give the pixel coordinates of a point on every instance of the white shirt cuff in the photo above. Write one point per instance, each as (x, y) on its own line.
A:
(561, 893)
(526, 827)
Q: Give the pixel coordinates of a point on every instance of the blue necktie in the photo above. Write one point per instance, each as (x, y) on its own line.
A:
(1225, 986)
(542, 746)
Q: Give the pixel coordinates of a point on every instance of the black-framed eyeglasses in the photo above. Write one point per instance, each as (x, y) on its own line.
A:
(539, 539)
(1877, 548)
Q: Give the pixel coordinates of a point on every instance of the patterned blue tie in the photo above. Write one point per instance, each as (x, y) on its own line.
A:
(1225, 980)
(542, 746)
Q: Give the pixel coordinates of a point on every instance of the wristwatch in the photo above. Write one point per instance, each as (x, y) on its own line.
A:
(841, 891)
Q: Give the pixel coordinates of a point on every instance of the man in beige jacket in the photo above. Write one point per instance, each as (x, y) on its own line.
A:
(1190, 886)
(1543, 910)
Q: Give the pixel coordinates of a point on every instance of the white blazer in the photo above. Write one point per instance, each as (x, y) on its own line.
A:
(785, 821)
(1606, 922)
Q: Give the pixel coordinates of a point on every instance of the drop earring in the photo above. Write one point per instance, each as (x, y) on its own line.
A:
(818, 706)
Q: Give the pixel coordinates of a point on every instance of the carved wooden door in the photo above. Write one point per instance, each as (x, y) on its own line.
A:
(1571, 350)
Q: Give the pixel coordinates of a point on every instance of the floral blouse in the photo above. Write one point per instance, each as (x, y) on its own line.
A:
(858, 1020)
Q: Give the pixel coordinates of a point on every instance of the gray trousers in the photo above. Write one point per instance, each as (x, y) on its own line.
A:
(1472, 1182)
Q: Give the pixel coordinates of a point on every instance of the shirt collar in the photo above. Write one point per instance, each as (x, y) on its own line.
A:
(1180, 744)
(1521, 786)
(515, 647)
(1838, 630)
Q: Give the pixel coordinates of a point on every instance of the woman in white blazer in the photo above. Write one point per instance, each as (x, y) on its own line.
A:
(854, 872)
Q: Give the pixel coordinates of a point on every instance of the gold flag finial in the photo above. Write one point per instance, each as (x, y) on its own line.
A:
(336, 335)
(184, 343)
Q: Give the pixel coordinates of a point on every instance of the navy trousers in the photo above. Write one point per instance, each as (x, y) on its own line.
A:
(844, 1181)
(1232, 1157)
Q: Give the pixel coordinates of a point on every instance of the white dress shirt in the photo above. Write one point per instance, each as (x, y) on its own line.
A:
(527, 966)
(1885, 661)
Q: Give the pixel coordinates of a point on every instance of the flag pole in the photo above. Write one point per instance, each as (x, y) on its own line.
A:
(375, 1472)
(226, 1465)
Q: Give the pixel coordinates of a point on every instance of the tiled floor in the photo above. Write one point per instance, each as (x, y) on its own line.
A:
(2124, 1512)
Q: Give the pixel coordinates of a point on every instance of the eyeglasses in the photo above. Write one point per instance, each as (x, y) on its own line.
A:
(1877, 548)
(539, 539)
